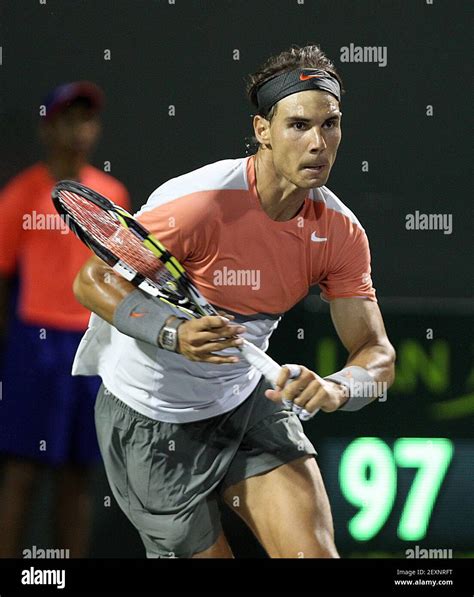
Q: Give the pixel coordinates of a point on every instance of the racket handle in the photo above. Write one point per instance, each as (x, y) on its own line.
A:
(261, 361)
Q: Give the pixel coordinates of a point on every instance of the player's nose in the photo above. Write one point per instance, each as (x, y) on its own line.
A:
(317, 142)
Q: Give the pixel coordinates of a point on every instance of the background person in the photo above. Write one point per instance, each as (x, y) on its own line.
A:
(46, 415)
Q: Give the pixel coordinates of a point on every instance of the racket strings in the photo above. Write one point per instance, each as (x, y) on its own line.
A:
(104, 228)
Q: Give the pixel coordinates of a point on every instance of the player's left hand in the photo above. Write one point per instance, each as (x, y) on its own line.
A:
(307, 393)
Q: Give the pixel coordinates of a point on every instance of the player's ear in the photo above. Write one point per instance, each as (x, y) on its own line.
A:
(261, 127)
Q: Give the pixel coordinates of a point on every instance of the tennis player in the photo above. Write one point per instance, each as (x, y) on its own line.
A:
(181, 420)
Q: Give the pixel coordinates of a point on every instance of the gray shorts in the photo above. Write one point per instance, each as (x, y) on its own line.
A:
(167, 477)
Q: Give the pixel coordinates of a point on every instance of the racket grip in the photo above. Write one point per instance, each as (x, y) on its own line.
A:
(261, 361)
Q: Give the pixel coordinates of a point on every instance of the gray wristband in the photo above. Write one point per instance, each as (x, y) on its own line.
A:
(361, 387)
(141, 316)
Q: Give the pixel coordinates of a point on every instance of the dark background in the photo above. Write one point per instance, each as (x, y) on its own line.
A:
(182, 55)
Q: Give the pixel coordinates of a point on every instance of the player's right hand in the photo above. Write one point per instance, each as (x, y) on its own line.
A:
(200, 339)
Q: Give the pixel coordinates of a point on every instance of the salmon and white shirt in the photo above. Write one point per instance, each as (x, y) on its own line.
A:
(243, 262)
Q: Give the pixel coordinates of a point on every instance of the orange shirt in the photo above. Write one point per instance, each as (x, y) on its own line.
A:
(36, 243)
(242, 260)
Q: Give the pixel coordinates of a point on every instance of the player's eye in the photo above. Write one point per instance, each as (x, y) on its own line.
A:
(299, 126)
(330, 124)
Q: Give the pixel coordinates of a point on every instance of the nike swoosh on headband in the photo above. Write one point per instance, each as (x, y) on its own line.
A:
(304, 77)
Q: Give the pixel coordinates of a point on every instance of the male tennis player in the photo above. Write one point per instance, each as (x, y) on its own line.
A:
(180, 418)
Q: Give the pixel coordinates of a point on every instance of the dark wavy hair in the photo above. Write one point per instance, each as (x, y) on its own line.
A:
(310, 56)
(305, 57)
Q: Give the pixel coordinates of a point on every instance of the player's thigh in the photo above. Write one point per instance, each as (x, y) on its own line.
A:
(288, 510)
(167, 494)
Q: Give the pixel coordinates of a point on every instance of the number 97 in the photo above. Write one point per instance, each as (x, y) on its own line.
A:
(368, 480)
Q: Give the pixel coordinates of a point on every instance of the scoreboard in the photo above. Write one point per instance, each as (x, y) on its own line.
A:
(393, 494)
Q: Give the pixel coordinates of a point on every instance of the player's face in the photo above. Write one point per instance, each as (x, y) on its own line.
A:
(75, 130)
(304, 136)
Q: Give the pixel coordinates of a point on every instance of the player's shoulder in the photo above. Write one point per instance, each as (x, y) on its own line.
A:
(332, 202)
(229, 174)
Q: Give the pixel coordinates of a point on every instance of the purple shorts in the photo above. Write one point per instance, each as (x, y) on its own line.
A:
(46, 414)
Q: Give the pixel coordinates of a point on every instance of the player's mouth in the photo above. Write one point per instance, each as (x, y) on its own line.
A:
(317, 168)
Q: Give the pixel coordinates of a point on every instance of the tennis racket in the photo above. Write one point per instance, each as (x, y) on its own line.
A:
(129, 249)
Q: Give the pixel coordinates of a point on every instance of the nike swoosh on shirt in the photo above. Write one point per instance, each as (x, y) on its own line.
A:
(317, 239)
(135, 314)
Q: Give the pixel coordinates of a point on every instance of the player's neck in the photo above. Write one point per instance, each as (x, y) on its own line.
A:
(63, 166)
(280, 199)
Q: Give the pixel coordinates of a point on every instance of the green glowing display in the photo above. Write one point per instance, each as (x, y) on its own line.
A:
(432, 458)
(368, 480)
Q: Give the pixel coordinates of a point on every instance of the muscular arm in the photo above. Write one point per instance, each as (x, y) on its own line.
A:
(359, 325)
(100, 289)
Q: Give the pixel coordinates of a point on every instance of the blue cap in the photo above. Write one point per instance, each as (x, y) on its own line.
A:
(62, 97)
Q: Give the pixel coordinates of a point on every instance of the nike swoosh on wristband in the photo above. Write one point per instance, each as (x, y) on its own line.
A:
(317, 239)
(136, 314)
